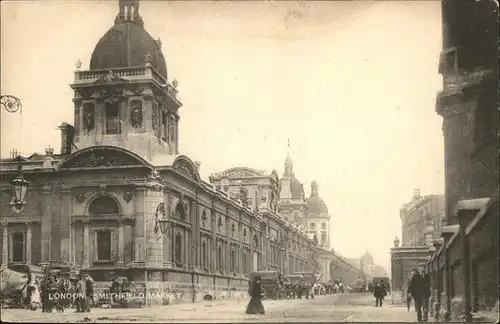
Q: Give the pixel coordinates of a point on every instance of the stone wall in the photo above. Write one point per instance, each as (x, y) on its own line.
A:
(449, 293)
(169, 287)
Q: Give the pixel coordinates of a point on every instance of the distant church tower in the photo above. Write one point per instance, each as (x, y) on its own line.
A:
(125, 99)
(291, 198)
(318, 219)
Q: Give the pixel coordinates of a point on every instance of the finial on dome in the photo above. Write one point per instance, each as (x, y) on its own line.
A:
(288, 162)
(314, 189)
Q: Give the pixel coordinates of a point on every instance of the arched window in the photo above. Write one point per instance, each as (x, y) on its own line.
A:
(136, 113)
(104, 205)
(178, 248)
(179, 211)
(88, 117)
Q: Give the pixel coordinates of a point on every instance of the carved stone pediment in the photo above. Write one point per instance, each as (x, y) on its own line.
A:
(185, 169)
(241, 173)
(109, 79)
(101, 158)
(85, 94)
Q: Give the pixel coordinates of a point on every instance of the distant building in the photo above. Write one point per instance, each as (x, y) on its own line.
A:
(421, 218)
(311, 215)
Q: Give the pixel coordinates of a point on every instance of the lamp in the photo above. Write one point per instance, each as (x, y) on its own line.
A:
(11, 103)
(161, 224)
(19, 188)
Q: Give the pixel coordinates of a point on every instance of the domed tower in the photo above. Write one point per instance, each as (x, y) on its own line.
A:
(318, 219)
(291, 199)
(125, 99)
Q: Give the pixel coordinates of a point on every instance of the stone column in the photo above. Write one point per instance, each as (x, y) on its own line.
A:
(28, 243)
(227, 268)
(5, 244)
(46, 224)
(66, 224)
(213, 256)
(73, 242)
(120, 244)
(140, 208)
(252, 250)
(86, 245)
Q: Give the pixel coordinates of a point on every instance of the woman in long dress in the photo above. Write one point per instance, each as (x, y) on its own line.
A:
(255, 305)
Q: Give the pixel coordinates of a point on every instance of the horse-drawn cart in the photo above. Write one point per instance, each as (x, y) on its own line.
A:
(20, 286)
(271, 283)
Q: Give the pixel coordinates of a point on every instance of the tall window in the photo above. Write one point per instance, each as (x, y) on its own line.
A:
(112, 119)
(244, 260)
(219, 256)
(18, 247)
(104, 245)
(164, 126)
(136, 113)
(178, 248)
(204, 263)
(180, 213)
(233, 258)
(323, 237)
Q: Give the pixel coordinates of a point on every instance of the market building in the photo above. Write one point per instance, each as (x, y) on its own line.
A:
(120, 200)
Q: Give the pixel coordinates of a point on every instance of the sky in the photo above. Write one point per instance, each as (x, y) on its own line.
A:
(352, 85)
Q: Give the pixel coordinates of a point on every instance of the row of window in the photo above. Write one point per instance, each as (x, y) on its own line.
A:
(113, 121)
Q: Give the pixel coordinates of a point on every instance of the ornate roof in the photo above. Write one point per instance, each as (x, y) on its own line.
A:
(316, 205)
(128, 44)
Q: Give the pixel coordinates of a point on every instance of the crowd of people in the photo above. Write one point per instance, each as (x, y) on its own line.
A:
(59, 291)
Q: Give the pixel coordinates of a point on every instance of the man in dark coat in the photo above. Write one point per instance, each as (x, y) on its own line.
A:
(379, 293)
(420, 290)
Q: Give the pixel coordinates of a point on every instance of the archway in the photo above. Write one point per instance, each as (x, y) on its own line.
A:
(104, 205)
(103, 237)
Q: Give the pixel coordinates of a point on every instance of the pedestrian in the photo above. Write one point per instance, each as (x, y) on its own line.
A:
(89, 292)
(420, 290)
(379, 293)
(407, 289)
(81, 299)
(255, 290)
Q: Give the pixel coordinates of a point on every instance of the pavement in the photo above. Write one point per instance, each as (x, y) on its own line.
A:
(341, 308)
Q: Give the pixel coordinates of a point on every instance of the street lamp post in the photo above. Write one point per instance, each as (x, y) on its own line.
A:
(11, 103)
(162, 223)
(19, 188)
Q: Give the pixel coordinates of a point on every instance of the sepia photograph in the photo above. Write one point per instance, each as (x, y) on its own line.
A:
(249, 161)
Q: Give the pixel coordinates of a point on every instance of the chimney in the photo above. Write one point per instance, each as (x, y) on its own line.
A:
(416, 193)
(67, 133)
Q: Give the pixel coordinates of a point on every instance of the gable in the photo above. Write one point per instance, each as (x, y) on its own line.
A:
(184, 166)
(102, 157)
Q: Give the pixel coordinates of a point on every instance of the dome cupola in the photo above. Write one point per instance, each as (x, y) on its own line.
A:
(316, 205)
(128, 44)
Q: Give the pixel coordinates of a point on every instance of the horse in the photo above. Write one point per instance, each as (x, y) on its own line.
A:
(22, 288)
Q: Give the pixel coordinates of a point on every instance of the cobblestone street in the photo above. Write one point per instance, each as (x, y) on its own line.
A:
(347, 308)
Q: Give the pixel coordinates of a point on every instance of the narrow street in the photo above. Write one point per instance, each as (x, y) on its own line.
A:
(346, 308)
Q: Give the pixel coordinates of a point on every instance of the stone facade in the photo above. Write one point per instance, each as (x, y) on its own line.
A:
(421, 218)
(465, 266)
(99, 204)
